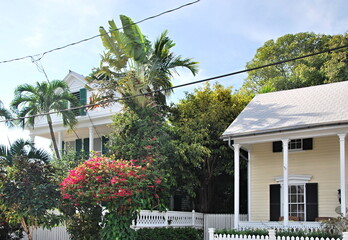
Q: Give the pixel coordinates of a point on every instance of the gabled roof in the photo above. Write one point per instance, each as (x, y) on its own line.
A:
(292, 109)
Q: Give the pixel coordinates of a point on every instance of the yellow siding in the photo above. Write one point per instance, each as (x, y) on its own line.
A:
(322, 163)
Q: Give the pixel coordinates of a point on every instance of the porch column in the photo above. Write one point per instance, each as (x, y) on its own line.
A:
(59, 142)
(236, 185)
(285, 183)
(343, 172)
(91, 138)
(249, 185)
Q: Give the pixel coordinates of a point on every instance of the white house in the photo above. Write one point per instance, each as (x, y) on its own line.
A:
(92, 127)
(296, 143)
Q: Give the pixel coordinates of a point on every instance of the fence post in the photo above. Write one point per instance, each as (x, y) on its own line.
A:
(211, 233)
(193, 218)
(166, 223)
(272, 236)
(345, 236)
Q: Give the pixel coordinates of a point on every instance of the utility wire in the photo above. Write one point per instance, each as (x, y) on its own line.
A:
(39, 56)
(181, 85)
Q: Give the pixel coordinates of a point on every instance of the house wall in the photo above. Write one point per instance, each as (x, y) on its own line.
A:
(322, 163)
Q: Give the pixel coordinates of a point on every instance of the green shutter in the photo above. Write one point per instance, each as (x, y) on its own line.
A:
(86, 146)
(83, 101)
(78, 145)
(105, 141)
(63, 145)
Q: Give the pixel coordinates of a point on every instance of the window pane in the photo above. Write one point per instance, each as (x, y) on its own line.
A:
(300, 189)
(293, 198)
(293, 189)
(300, 198)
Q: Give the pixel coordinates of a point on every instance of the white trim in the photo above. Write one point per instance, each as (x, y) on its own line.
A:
(249, 185)
(303, 133)
(91, 139)
(285, 182)
(342, 138)
(236, 185)
(294, 179)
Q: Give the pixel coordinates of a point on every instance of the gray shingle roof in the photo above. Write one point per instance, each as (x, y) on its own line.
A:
(291, 109)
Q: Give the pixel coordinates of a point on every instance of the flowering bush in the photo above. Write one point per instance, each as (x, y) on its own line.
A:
(122, 187)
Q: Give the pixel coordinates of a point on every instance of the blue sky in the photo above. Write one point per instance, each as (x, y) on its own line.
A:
(222, 35)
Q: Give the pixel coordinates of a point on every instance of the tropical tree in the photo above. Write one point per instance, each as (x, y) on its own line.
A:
(29, 194)
(131, 65)
(32, 100)
(203, 161)
(5, 114)
(320, 69)
(21, 147)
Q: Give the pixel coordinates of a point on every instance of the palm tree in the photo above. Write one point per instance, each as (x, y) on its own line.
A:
(5, 114)
(30, 101)
(131, 65)
(21, 147)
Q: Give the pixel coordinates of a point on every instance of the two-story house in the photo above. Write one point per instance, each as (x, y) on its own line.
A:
(93, 125)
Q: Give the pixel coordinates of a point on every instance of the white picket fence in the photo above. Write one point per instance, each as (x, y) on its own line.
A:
(271, 236)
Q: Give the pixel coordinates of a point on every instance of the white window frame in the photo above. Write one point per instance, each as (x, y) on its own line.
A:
(296, 141)
(295, 179)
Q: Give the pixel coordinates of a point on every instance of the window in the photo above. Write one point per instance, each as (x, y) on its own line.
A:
(295, 144)
(302, 198)
(82, 99)
(76, 111)
(297, 202)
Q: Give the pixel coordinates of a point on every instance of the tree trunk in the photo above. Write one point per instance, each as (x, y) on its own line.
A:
(49, 121)
(26, 229)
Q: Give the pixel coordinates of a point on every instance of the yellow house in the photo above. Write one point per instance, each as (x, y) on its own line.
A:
(296, 143)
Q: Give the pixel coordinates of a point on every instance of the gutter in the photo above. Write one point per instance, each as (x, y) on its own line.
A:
(284, 130)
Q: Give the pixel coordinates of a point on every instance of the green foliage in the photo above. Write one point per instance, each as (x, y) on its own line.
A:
(44, 97)
(198, 122)
(315, 70)
(169, 233)
(24, 148)
(9, 231)
(310, 234)
(336, 226)
(29, 194)
(281, 233)
(251, 232)
(132, 65)
(84, 224)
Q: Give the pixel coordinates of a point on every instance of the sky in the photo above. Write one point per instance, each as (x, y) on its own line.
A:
(221, 35)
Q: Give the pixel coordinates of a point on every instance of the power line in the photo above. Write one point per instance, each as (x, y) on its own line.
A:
(39, 56)
(181, 85)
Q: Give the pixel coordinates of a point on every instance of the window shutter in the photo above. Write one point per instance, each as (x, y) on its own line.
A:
(105, 141)
(63, 145)
(86, 146)
(311, 201)
(307, 144)
(277, 146)
(78, 145)
(83, 101)
(274, 197)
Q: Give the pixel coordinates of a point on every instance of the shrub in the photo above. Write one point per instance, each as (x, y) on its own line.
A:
(169, 233)
(120, 187)
(281, 233)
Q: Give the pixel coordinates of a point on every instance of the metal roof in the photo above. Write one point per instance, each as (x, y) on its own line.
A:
(292, 109)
